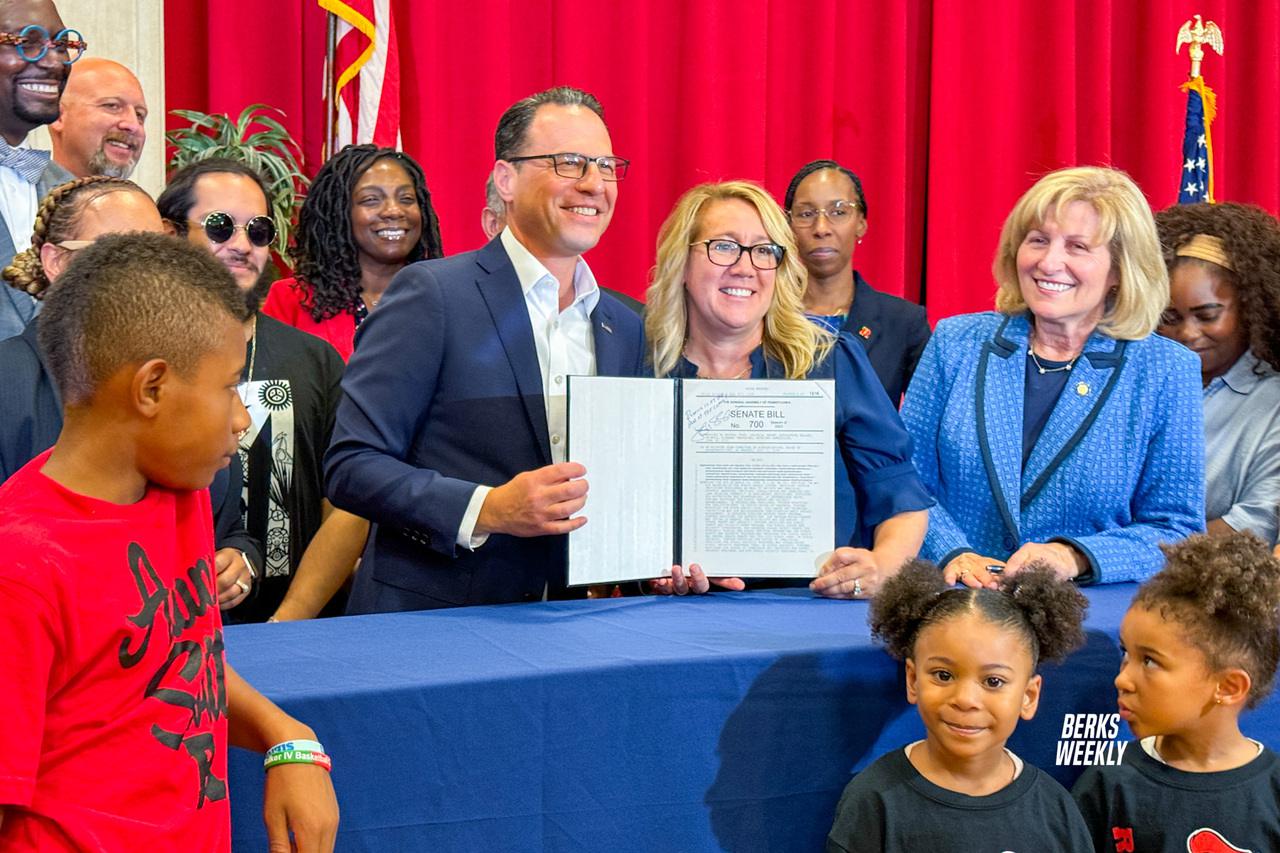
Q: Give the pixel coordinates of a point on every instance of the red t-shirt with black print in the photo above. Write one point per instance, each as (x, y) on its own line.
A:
(112, 675)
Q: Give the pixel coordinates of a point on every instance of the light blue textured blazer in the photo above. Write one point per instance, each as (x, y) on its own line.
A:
(1118, 469)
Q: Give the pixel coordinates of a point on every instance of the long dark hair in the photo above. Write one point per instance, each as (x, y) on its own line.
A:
(325, 256)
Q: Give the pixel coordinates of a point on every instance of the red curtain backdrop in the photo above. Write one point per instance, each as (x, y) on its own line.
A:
(948, 110)
(1019, 89)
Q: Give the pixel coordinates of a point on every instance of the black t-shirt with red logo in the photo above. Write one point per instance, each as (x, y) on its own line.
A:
(1143, 805)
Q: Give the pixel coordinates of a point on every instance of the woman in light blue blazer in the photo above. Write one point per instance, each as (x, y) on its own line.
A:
(1059, 429)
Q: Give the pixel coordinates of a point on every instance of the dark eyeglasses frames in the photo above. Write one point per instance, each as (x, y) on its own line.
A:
(725, 253)
(32, 43)
(219, 227)
(574, 166)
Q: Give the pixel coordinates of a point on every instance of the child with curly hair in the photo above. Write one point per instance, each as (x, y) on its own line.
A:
(971, 658)
(1201, 642)
(1224, 304)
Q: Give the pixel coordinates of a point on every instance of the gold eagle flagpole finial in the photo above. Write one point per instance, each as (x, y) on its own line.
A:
(1198, 35)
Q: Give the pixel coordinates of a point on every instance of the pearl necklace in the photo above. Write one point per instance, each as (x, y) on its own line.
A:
(1031, 350)
(1043, 370)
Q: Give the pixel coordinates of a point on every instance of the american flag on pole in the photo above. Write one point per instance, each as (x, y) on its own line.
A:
(365, 73)
(1196, 179)
(1197, 145)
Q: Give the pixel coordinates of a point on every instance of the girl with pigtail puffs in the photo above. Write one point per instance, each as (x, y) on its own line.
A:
(1201, 643)
(971, 657)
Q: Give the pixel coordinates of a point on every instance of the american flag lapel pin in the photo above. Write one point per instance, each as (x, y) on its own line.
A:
(864, 333)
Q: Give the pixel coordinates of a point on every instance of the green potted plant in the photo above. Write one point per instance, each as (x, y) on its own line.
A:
(268, 148)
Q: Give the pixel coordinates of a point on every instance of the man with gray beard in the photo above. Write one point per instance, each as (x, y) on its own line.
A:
(102, 129)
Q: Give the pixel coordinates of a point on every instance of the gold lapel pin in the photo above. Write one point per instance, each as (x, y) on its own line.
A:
(1082, 389)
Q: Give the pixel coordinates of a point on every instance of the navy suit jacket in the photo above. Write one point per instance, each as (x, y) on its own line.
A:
(892, 331)
(444, 393)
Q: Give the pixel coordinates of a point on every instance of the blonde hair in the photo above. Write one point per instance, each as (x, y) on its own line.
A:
(789, 338)
(58, 219)
(1125, 223)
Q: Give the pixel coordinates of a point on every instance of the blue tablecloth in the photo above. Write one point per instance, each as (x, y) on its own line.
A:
(728, 722)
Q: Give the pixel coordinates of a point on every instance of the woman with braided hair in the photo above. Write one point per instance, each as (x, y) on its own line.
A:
(368, 214)
(78, 212)
(1224, 287)
(70, 218)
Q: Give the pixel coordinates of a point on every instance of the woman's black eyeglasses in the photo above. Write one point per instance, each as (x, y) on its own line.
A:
(725, 253)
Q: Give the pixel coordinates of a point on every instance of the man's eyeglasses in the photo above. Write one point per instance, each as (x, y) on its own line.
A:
(839, 213)
(219, 227)
(725, 253)
(575, 165)
(32, 42)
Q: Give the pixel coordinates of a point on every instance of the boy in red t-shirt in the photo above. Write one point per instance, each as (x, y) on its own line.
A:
(116, 700)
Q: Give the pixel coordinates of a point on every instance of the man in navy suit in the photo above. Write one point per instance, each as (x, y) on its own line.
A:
(451, 433)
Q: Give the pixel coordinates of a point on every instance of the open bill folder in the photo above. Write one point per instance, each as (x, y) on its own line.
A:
(735, 475)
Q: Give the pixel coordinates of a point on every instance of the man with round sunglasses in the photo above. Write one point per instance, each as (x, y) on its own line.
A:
(220, 227)
(222, 205)
(451, 432)
(290, 384)
(36, 51)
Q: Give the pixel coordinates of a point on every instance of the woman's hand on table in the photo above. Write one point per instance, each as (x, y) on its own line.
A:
(973, 570)
(851, 573)
(1066, 562)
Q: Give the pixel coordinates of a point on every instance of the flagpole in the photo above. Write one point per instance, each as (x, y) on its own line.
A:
(1197, 140)
(331, 95)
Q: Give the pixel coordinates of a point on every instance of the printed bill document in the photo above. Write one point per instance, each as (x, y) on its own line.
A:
(737, 476)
